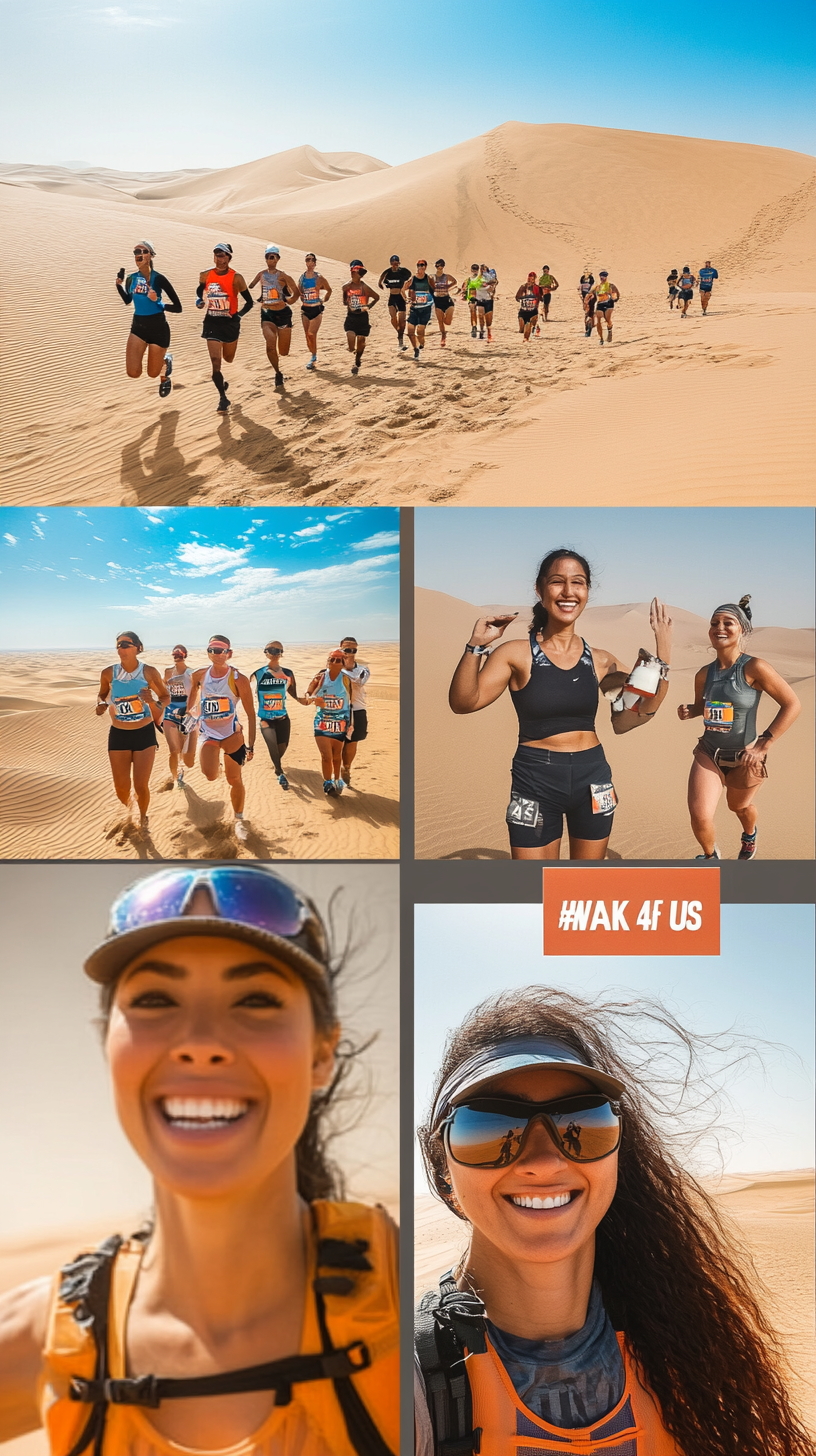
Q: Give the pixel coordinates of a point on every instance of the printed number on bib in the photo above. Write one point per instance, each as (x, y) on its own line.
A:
(271, 295)
(310, 295)
(526, 812)
(355, 301)
(422, 299)
(718, 717)
(273, 702)
(333, 725)
(216, 708)
(129, 707)
(218, 302)
(604, 798)
(141, 287)
(178, 692)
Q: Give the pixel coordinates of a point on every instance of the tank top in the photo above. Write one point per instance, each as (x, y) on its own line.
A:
(271, 687)
(441, 285)
(423, 293)
(273, 295)
(556, 700)
(528, 303)
(178, 686)
(729, 716)
(356, 298)
(335, 716)
(685, 280)
(603, 289)
(472, 286)
(219, 292)
(586, 284)
(545, 282)
(138, 287)
(309, 289)
(129, 710)
(219, 703)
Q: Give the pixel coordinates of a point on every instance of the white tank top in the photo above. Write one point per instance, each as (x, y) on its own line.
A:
(219, 701)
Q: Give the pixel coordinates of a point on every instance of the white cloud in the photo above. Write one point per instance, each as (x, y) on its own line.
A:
(166, 591)
(259, 523)
(208, 560)
(114, 565)
(311, 530)
(37, 532)
(115, 15)
(343, 516)
(101, 539)
(378, 541)
(266, 586)
(12, 540)
(41, 517)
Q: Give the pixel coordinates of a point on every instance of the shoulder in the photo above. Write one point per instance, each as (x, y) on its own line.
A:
(204, 275)
(287, 672)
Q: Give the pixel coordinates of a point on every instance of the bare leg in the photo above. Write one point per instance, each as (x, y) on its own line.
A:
(134, 354)
(120, 762)
(704, 789)
(235, 779)
(155, 360)
(142, 768)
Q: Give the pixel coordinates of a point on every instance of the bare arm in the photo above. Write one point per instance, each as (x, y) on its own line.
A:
(663, 628)
(760, 674)
(23, 1320)
(479, 681)
(324, 285)
(104, 692)
(245, 694)
(697, 708)
(292, 286)
(195, 687)
(372, 296)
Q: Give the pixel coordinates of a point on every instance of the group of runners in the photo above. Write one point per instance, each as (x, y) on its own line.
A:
(197, 711)
(682, 285)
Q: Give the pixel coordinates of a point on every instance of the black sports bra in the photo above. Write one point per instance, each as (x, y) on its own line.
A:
(556, 700)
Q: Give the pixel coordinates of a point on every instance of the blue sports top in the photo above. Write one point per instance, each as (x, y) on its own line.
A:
(335, 716)
(271, 684)
(129, 708)
(135, 291)
(706, 277)
(309, 285)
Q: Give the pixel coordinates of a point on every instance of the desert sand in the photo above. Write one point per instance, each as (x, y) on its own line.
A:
(773, 1215)
(705, 411)
(58, 799)
(463, 762)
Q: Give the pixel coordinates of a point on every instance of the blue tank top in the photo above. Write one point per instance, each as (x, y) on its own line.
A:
(129, 708)
(729, 716)
(556, 700)
(138, 285)
(309, 290)
(335, 716)
(271, 688)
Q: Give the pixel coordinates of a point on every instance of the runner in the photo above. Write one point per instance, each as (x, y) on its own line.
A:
(276, 312)
(485, 294)
(605, 295)
(730, 755)
(587, 300)
(221, 691)
(217, 292)
(420, 300)
(149, 330)
(394, 278)
(527, 297)
(469, 290)
(329, 689)
(706, 275)
(555, 679)
(548, 284)
(358, 676)
(556, 1135)
(442, 284)
(275, 684)
(180, 727)
(245, 1291)
(358, 297)
(672, 285)
(134, 697)
(311, 286)
(685, 288)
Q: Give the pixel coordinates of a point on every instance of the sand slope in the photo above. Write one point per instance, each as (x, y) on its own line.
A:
(650, 765)
(58, 800)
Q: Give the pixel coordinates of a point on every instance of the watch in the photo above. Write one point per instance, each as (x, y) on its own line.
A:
(477, 651)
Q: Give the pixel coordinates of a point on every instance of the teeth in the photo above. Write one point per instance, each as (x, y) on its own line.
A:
(202, 1111)
(558, 1201)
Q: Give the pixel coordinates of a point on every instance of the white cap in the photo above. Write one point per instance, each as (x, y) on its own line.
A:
(271, 248)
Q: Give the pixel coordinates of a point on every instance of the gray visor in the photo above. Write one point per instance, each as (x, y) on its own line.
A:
(472, 1076)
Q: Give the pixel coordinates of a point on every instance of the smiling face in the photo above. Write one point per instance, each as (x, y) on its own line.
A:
(214, 1057)
(565, 590)
(497, 1202)
(725, 631)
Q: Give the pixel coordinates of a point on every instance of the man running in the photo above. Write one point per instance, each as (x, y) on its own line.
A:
(275, 684)
(394, 278)
(585, 289)
(149, 330)
(685, 287)
(527, 297)
(706, 276)
(548, 284)
(671, 282)
(442, 283)
(315, 292)
(485, 293)
(217, 292)
(358, 298)
(606, 296)
(358, 676)
(469, 290)
(276, 313)
(420, 299)
(221, 689)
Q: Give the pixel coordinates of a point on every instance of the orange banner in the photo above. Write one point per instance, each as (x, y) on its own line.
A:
(617, 911)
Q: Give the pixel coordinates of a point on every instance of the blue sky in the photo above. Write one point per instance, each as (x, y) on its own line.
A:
(761, 985)
(691, 558)
(126, 85)
(74, 578)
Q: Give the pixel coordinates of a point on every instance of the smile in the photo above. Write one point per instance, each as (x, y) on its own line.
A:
(202, 1112)
(524, 1200)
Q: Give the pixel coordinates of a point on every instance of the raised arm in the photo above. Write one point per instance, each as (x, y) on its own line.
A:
(480, 679)
(626, 719)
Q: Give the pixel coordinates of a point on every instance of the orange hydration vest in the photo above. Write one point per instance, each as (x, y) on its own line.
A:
(338, 1397)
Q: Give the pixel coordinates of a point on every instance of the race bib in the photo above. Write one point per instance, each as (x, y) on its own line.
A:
(141, 287)
(718, 717)
(177, 690)
(270, 294)
(129, 708)
(310, 295)
(523, 811)
(217, 302)
(355, 301)
(528, 303)
(272, 702)
(216, 708)
(332, 725)
(421, 299)
(604, 798)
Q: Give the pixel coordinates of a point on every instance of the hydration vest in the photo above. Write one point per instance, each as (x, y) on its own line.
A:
(342, 1390)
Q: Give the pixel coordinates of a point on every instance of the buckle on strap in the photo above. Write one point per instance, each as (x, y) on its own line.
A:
(141, 1390)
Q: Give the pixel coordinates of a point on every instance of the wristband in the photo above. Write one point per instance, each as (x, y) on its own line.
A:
(477, 651)
(766, 734)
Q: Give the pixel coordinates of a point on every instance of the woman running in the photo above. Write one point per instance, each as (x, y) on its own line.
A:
(150, 330)
(420, 306)
(442, 283)
(469, 290)
(276, 313)
(274, 685)
(134, 697)
(217, 292)
(602, 1303)
(222, 688)
(587, 300)
(358, 298)
(686, 284)
(329, 689)
(604, 295)
(527, 297)
(255, 1311)
(730, 755)
(394, 278)
(548, 284)
(180, 727)
(315, 292)
(555, 679)
(671, 283)
(488, 283)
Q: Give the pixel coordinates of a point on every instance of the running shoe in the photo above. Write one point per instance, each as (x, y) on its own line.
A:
(355, 369)
(416, 353)
(609, 336)
(223, 404)
(241, 829)
(538, 330)
(708, 858)
(489, 336)
(166, 383)
(473, 333)
(481, 333)
(748, 846)
(311, 364)
(278, 378)
(339, 786)
(283, 780)
(328, 788)
(180, 779)
(422, 346)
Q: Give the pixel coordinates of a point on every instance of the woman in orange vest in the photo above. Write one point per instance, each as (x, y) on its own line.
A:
(217, 292)
(256, 1314)
(600, 1306)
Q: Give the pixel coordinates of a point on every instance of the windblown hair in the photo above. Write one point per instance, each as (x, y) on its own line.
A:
(134, 636)
(540, 615)
(672, 1279)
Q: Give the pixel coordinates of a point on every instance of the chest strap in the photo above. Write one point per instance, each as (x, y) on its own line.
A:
(447, 1323)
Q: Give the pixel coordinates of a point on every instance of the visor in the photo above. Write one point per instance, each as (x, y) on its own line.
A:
(512, 1056)
(271, 248)
(223, 247)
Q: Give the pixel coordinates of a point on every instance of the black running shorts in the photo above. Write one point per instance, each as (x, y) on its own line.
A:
(686, 293)
(420, 316)
(239, 755)
(358, 323)
(397, 301)
(528, 315)
(559, 784)
(443, 303)
(226, 328)
(360, 722)
(604, 304)
(311, 310)
(132, 740)
(280, 317)
(152, 328)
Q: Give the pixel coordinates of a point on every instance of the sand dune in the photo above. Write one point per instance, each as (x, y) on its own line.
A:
(650, 765)
(58, 799)
(714, 411)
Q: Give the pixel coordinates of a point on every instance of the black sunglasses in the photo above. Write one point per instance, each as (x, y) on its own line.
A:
(125, 643)
(490, 1132)
(218, 650)
(349, 649)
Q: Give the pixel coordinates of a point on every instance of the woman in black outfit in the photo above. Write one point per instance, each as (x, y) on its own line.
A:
(149, 330)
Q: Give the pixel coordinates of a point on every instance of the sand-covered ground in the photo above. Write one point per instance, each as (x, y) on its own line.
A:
(463, 762)
(57, 792)
(773, 1217)
(704, 411)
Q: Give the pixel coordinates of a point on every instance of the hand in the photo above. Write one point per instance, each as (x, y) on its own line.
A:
(663, 628)
(100, 709)
(152, 294)
(685, 711)
(321, 702)
(199, 303)
(754, 758)
(250, 753)
(489, 629)
(146, 695)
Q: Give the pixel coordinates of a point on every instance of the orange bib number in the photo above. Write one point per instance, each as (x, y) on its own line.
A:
(128, 708)
(718, 717)
(218, 302)
(216, 708)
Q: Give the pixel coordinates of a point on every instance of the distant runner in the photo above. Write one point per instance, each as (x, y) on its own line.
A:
(485, 293)
(606, 296)
(358, 675)
(706, 275)
(149, 330)
(315, 292)
(358, 298)
(469, 290)
(274, 685)
(134, 697)
(221, 690)
(442, 283)
(217, 292)
(329, 690)
(528, 296)
(420, 299)
(548, 284)
(685, 288)
(587, 300)
(276, 313)
(672, 286)
(394, 278)
(180, 727)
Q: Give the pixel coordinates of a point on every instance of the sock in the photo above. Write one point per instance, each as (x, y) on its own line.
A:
(218, 380)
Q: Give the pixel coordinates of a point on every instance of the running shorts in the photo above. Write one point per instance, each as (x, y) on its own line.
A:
(735, 775)
(338, 737)
(360, 725)
(444, 303)
(358, 323)
(485, 303)
(151, 328)
(226, 329)
(559, 785)
(311, 310)
(604, 304)
(672, 292)
(420, 315)
(528, 314)
(239, 755)
(396, 300)
(277, 729)
(132, 740)
(686, 293)
(280, 317)
(706, 290)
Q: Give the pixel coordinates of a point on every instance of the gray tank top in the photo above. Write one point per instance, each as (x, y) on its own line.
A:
(729, 719)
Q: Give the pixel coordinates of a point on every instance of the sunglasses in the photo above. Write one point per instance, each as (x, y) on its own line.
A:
(125, 643)
(179, 656)
(490, 1132)
(350, 649)
(273, 651)
(141, 252)
(218, 651)
(219, 253)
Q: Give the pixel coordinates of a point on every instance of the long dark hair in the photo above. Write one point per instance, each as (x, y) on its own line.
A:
(665, 1258)
(539, 619)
